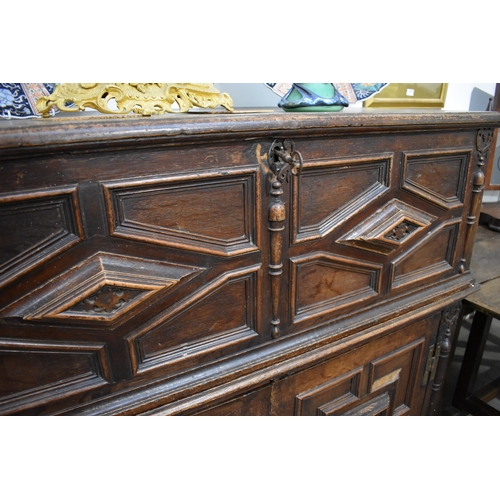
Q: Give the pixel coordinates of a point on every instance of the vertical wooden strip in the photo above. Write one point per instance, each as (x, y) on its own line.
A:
(484, 140)
(276, 217)
(444, 341)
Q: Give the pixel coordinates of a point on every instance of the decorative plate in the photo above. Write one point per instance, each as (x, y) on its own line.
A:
(18, 100)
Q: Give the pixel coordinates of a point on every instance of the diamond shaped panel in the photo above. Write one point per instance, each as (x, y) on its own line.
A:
(102, 288)
(388, 228)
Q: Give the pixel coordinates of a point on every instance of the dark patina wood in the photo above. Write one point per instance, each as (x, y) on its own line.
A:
(486, 306)
(159, 266)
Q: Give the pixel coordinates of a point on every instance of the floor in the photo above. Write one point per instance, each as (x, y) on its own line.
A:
(485, 265)
(490, 364)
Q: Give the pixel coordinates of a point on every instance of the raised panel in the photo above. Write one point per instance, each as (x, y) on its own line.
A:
(103, 288)
(431, 256)
(437, 176)
(217, 316)
(323, 283)
(184, 191)
(374, 404)
(397, 370)
(328, 192)
(388, 228)
(381, 377)
(346, 395)
(36, 226)
(212, 212)
(342, 390)
(31, 372)
(377, 406)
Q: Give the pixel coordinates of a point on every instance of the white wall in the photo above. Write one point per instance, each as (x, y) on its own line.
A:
(249, 95)
(459, 94)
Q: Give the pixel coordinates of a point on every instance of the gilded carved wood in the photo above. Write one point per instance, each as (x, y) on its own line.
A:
(142, 98)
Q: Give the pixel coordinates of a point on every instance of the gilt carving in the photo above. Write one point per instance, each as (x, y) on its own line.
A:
(142, 98)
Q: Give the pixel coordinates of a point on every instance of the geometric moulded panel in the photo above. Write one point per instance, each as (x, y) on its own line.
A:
(102, 288)
(323, 283)
(397, 370)
(388, 228)
(36, 226)
(431, 256)
(34, 371)
(331, 395)
(206, 212)
(217, 317)
(385, 386)
(438, 177)
(328, 192)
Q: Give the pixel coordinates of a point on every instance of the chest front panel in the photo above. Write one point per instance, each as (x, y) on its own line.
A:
(126, 267)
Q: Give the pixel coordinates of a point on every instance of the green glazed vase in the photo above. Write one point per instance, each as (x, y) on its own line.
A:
(313, 97)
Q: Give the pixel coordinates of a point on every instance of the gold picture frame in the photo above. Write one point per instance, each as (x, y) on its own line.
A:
(409, 95)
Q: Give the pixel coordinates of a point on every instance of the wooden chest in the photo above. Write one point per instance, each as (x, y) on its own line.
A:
(244, 264)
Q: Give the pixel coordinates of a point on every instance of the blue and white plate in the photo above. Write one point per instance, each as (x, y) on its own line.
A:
(18, 100)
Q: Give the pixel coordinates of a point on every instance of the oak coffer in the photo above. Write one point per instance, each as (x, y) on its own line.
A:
(235, 264)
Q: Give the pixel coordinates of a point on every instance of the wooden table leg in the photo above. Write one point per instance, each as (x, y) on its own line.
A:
(472, 358)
